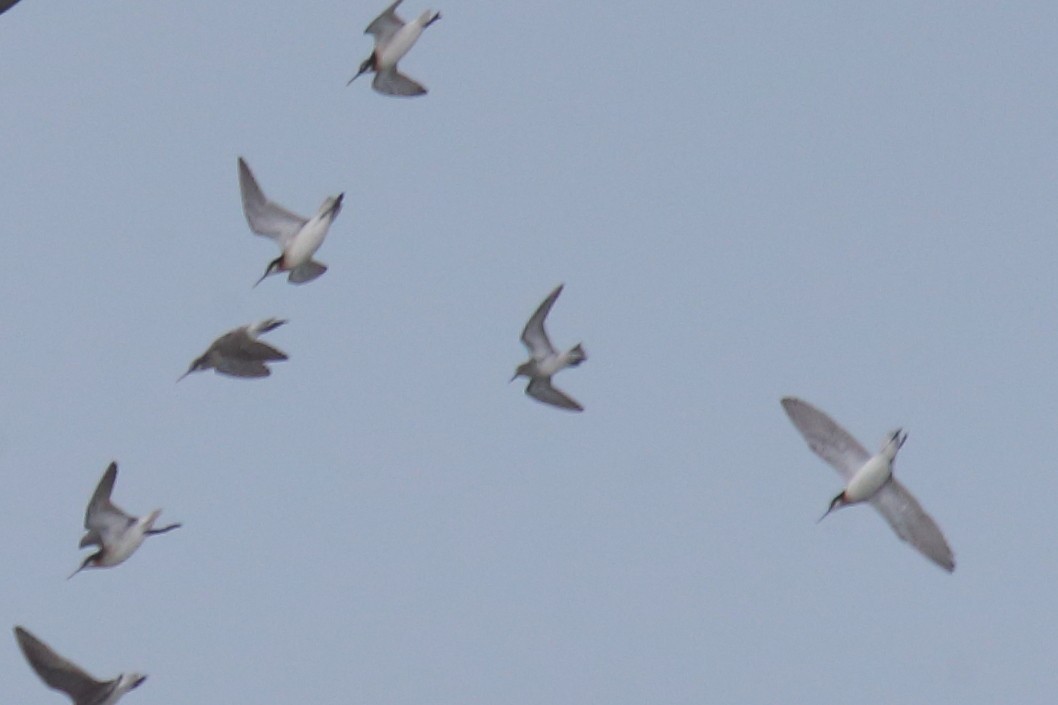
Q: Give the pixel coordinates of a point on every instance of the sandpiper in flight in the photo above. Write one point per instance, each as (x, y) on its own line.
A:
(239, 353)
(297, 237)
(393, 39)
(60, 674)
(117, 534)
(545, 361)
(870, 478)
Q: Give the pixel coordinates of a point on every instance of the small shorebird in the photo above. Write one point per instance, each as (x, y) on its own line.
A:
(60, 674)
(239, 353)
(117, 534)
(545, 361)
(393, 39)
(297, 237)
(870, 478)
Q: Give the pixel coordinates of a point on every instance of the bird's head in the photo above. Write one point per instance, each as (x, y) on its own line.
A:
(274, 267)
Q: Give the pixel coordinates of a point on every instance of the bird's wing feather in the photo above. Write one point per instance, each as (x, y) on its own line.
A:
(912, 524)
(102, 515)
(265, 217)
(256, 350)
(533, 335)
(393, 82)
(57, 672)
(826, 438)
(541, 390)
(243, 368)
(306, 272)
(385, 25)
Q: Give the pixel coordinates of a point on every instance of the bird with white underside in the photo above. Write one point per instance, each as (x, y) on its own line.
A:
(869, 478)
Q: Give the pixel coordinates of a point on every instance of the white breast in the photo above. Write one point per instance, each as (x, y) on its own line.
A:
(869, 479)
(398, 45)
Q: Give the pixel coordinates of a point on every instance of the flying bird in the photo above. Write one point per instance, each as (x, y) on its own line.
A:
(545, 361)
(297, 237)
(60, 674)
(393, 39)
(869, 478)
(239, 353)
(116, 533)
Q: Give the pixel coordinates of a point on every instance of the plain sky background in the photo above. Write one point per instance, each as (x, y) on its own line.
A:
(853, 203)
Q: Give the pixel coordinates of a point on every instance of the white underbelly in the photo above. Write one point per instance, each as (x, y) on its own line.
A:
(398, 45)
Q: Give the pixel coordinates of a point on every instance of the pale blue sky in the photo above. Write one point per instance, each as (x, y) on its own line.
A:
(850, 204)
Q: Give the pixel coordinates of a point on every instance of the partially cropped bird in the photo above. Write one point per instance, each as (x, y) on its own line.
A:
(60, 674)
(116, 533)
(545, 361)
(297, 237)
(393, 38)
(239, 353)
(869, 478)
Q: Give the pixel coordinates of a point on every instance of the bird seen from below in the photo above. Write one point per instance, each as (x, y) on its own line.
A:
(544, 361)
(297, 237)
(869, 478)
(116, 533)
(393, 38)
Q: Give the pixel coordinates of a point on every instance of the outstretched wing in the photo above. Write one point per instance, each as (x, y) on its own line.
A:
(829, 441)
(912, 524)
(541, 390)
(102, 515)
(58, 673)
(392, 82)
(533, 335)
(385, 25)
(265, 217)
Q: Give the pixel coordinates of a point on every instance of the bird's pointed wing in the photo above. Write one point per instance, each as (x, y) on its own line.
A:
(533, 335)
(261, 327)
(541, 390)
(57, 672)
(306, 272)
(6, 5)
(265, 217)
(243, 368)
(385, 25)
(912, 524)
(256, 350)
(102, 515)
(393, 82)
(829, 441)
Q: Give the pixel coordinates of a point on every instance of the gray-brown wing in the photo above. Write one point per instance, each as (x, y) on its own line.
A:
(826, 438)
(385, 25)
(242, 368)
(266, 217)
(393, 82)
(6, 5)
(533, 335)
(251, 350)
(102, 515)
(541, 390)
(912, 524)
(58, 673)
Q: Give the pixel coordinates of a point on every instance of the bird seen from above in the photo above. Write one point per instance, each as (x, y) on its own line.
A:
(238, 353)
(60, 674)
(297, 237)
(116, 533)
(544, 361)
(393, 38)
(869, 478)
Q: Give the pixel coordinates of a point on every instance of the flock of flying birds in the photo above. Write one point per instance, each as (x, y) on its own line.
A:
(239, 353)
